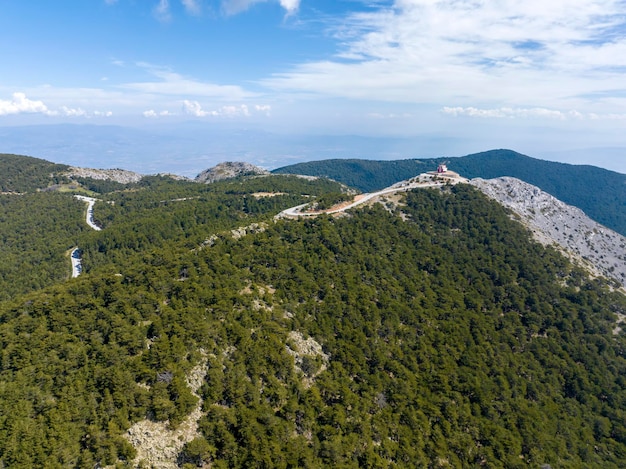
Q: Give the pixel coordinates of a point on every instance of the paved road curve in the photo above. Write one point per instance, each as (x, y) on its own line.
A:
(77, 267)
(89, 218)
(295, 212)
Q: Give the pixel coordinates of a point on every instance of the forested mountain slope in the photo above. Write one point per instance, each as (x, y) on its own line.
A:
(38, 229)
(600, 193)
(438, 336)
(27, 174)
(36, 232)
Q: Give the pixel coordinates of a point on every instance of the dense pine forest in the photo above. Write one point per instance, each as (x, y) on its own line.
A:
(27, 174)
(427, 332)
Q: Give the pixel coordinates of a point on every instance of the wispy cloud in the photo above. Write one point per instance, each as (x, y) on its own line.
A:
(507, 112)
(522, 54)
(162, 11)
(528, 113)
(232, 7)
(378, 115)
(173, 84)
(192, 6)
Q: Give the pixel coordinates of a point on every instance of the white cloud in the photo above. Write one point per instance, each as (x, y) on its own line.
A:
(290, 5)
(162, 91)
(193, 108)
(377, 115)
(501, 52)
(232, 7)
(73, 112)
(20, 104)
(512, 113)
(191, 6)
(171, 83)
(234, 111)
(504, 112)
(79, 112)
(153, 114)
(162, 11)
(612, 116)
(264, 108)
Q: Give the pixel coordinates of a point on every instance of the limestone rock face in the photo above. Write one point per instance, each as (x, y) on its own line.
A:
(118, 175)
(229, 170)
(599, 249)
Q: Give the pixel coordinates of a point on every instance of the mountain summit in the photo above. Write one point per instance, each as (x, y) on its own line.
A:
(229, 170)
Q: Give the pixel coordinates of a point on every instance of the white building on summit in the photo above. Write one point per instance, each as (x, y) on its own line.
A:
(444, 172)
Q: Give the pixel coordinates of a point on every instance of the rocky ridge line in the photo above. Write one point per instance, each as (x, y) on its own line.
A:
(597, 248)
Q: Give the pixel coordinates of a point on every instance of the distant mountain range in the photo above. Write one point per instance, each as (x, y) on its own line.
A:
(600, 193)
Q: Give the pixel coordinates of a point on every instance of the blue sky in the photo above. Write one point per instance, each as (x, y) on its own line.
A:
(541, 77)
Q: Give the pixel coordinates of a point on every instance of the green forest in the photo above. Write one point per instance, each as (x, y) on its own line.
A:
(577, 185)
(36, 232)
(27, 174)
(431, 332)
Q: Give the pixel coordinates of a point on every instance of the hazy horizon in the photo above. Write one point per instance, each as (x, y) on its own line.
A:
(186, 151)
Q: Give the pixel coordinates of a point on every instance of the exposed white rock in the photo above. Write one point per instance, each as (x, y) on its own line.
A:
(176, 177)
(229, 170)
(596, 247)
(157, 445)
(118, 175)
(302, 349)
(250, 229)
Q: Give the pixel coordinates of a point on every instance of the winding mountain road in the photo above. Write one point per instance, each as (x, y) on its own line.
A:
(420, 183)
(77, 266)
(89, 217)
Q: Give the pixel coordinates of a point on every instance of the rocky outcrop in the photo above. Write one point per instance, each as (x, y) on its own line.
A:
(175, 177)
(229, 170)
(158, 446)
(599, 249)
(118, 175)
(309, 357)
